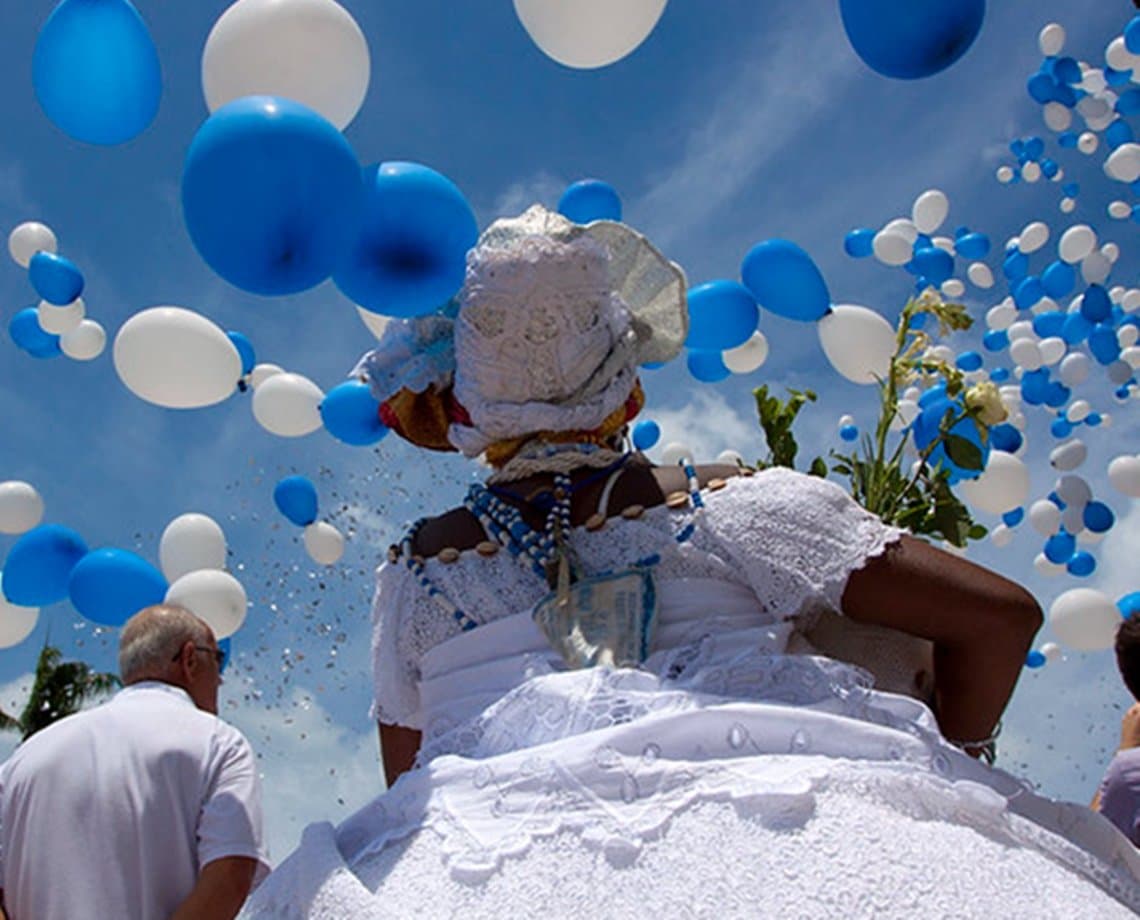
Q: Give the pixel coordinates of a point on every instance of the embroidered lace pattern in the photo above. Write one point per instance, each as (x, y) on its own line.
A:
(792, 539)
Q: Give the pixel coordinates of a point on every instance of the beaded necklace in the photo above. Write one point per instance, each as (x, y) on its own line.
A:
(546, 553)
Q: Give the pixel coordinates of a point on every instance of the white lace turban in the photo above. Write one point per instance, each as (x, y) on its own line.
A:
(553, 320)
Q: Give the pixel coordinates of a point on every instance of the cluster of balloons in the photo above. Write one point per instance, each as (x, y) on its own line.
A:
(58, 325)
(50, 563)
(296, 498)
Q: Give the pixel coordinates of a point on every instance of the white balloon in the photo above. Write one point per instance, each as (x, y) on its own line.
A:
(930, 210)
(980, 275)
(1076, 243)
(16, 623)
(1084, 619)
(1051, 40)
(952, 287)
(191, 542)
(892, 248)
(1031, 172)
(211, 595)
(676, 453)
(1001, 536)
(1068, 456)
(858, 342)
(845, 420)
(1052, 652)
(1119, 210)
(1089, 538)
(28, 239)
(174, 357)
(1096, 268)
(1131, 300)
(1127, 336)
(1073, 519)
(1001, 316)
(288, 405)
(1130, 355)
(944, 243)
(1022, 329)
(1052, 350)
(1044, 517)
(263, 372)
(1110, 251)
(588, 33)
(1033, 237)
(1123, 164)
(1004, 174)
(1068, 205)
(58, 320)
(324, 543)
(376, 323)
(746, 358)
(1003, 485)
(1025, 354)
(1057, 117)
(21, 507)
(1044, 567)
(310, 51)
(1088, 142)
(1124, 474)
(907, 412)
(85, 342)
(1075, 369)
(1078, 410)
(730, 457)
(1119, 57)
(1073, 491)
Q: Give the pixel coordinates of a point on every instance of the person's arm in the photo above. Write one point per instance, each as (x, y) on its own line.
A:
(223, 885)
(1129, 738)
(398, 749)
(982, 626)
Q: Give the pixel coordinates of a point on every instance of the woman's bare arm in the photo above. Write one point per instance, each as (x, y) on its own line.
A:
(981, 625)
(398, 749)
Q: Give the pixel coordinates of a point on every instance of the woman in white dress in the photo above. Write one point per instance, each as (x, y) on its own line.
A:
(592, 686)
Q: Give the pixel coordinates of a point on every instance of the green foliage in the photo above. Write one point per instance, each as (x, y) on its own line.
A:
(60, 689)
(922, 500)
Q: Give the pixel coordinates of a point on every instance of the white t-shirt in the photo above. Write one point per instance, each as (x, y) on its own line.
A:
(114, 811)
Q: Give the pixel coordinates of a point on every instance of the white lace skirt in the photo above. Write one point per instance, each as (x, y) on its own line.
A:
(709, 808)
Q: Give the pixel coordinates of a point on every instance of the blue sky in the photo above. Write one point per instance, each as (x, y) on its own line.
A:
(736, 121)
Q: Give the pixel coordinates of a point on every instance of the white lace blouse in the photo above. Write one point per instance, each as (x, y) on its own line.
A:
(791, 539)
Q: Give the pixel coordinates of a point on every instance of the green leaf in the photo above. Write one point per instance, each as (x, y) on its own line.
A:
(977, 532)
(818, 468)
(965, 454)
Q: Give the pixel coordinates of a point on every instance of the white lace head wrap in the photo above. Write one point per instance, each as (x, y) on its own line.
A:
(553, 320)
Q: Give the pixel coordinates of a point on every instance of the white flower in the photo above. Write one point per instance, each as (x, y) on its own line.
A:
(984, 400)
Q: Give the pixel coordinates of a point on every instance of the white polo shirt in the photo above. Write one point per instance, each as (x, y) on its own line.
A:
(112, 812)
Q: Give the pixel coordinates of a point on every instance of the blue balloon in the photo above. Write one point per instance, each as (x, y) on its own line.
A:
(935, 394)
(1042, 87)
(1103, 344)
(1076, 329)
(1034, 147)
(1130, 603)
(225, 646)
(1057, 394)
(588, 200)
(937, 265)
(973, 246)
(908, 40)
(1128, 103)
(1035, 659)
(859, 244)
(1027, 292)
(1048, 324)
(1082, 564)
(999, 374)
(1067, 70)
(784, 279)
(969, 361)
(1132, 35)
(40, 563)
(995, 340)
(56, 279)
(1061, 428)
(1071, 190)
(352, 414)
(96, 71)
(1015, 266)
(707, 366)
(1014, 517)
(1117, 77)
(1096, 306)
(646, 433)
(109, 586)
(1049, 168)
(1093, 419)
(1068, 140)
(722, 315)
(25, 330)
(1058, 279)
(1119, 132)
(1035, 386)
(849, 433)
(411, 254)
(1060, 547)
(1098, 517)
(245, 349)
(271, 195)
(928, 426)
(296, 498)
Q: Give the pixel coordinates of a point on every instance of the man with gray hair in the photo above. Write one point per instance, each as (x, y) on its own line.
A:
(147, 806)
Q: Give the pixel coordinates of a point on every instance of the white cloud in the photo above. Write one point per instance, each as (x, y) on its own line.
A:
(707, 424)
(544, 188)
